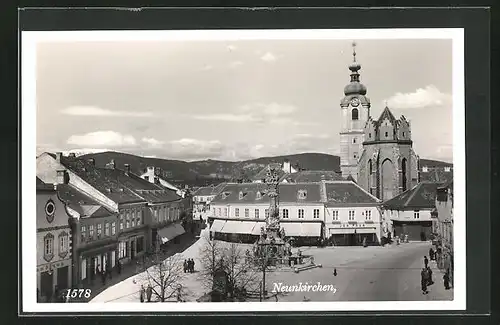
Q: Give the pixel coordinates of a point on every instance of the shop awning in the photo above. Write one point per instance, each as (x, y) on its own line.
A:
(257, 227)
(311, 229)
(168, 233)
(217, 225)
(365, 230)
(292, 229)
(238, 227)
(340, 231)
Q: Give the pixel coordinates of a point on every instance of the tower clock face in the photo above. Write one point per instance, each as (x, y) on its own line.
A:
(355, 102)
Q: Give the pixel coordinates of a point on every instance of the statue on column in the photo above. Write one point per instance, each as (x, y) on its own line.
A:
(272, 181)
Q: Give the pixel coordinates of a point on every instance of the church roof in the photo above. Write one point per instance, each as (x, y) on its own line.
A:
(421, 196)
(305, 176)
(387, 114)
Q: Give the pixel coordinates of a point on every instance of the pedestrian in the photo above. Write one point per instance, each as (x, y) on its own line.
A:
(423, 281)
(141, 293)
(431, 254)
(185, 266)
(335, 272)
(149, 292)
(103, 276)
(446, 280)
(119, 267)
(429, 273)
(426, 262)
(192, 265)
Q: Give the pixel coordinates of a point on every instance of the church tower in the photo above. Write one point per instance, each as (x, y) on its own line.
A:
(355, 111)
(388, 165)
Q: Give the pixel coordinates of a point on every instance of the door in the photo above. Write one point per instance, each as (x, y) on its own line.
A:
(62, 277)
(132, 249)
(46, 284)
(113, 258)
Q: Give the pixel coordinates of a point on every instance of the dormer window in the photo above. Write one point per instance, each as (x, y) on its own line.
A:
(225, 195)
(425, 169)
(447, 169)
(241, 195)
(258, 196)
(302, 194)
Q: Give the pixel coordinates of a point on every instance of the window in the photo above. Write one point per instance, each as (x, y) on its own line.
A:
(355, 114)
(84, 269)
(127, 219)
(113, 228)
(48, 247)
(355, 156)
(368, 215)
(121, 221)
(285, 213)
(386, 134)
(225, 212)
(83, 232)
(214, 212)
(316, 214)
(91, 231)
(354, 140)
(257, 213)
(63, 244)
(266, 213)
(106, 229)
(146, 178)
(247, 213)
(370, 135)
(351, 215)
(167, 213)
(403, 134)
(302, 194)
(140, 244)
(236, 212)
(132, 219)
(258, 196)
(99, 230)
(220, 212)
(301, 213)
(335, 215)
(122, 249)
(416, 214)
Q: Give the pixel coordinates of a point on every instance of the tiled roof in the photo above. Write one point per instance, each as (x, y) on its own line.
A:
(80, 202)
(421, 196)
(117, 185)
(347, 193)
(307, 176)
(209, 190)
(436, 175)
(263, 173)
(41, 185)
(333, 193)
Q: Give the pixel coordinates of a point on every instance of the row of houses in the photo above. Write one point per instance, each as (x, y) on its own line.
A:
(92, 219)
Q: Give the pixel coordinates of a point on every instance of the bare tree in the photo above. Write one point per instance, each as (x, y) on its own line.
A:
(242, 274)
(211, 257)
(164, 276)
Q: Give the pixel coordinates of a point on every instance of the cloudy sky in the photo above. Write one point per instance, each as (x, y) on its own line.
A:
(234, 100)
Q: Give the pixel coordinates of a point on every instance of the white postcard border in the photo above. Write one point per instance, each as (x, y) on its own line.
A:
(28, 122)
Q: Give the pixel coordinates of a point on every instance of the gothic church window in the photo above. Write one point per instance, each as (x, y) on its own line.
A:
(354, 140)
(355, 114)
(386, 134)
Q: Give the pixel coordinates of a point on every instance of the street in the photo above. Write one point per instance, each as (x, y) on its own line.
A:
(365, 274)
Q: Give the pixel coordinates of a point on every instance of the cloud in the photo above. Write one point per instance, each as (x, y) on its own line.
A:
(152, 142)
(207, 67)
(97, 111)
(268, 57)
(227, 117)
(429, 96)
(235, 64)
(102, 139)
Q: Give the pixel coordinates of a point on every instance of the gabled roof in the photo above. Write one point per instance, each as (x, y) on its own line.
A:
(421, 196)
(436, 175)
(209, 190)
(347, 193)
(387, 114)
(306, 176)
(81, 202)
(118, 185)
(42, 186)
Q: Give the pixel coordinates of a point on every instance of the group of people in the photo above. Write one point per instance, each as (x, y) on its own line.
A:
(426, 274)
(189, 265)
(145, 293)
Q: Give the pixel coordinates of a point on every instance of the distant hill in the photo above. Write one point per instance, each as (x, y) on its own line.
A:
(198, 173)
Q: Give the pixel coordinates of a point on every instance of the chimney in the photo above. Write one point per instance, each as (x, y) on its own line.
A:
(287, 167)
(127, 169)
(91, 161)
(62, 177)
(58, 156)
(72, 155)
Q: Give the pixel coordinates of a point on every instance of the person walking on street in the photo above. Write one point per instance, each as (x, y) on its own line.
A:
(149, 292)
(426, 262)
(142, 293)
(446, 280)
(429, 273)
(119, 267)
(192, 266)
(431, 254)
(185, 266)
(423, 281)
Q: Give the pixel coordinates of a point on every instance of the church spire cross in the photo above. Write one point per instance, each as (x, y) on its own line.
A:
(354, 51)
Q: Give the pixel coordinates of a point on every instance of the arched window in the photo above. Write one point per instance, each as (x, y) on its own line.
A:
(403, 174)
(355, 114)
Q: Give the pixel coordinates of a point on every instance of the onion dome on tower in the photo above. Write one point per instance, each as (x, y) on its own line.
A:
(354, 87)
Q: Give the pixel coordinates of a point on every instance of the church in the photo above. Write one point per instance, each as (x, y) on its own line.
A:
(377, 154)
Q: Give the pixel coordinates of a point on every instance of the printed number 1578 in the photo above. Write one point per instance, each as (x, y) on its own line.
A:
(78, 293)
